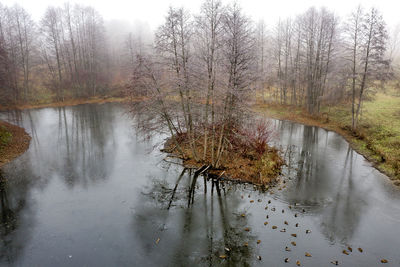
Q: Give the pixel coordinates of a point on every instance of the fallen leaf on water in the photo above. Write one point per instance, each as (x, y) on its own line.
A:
(308, 254)
(158, 240)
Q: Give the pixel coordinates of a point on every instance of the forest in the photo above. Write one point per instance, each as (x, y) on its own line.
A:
(208, 136)
(218, 64)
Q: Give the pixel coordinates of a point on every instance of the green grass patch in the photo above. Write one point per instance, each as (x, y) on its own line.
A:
(5, 137)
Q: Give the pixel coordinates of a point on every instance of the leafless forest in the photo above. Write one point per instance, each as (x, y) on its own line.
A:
(199, 73)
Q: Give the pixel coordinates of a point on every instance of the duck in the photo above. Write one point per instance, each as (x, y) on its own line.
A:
(287, 249)
(286, 259)
(283, 230)
(335, 262)
(308, 231)
(285, 222)
(307, 254)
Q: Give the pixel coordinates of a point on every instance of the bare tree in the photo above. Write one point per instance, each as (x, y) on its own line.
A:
(368, 41)
(209, 34)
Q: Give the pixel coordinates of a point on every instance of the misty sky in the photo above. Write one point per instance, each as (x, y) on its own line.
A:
(152, 12)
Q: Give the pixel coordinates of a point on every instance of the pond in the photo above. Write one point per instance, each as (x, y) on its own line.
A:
(92, 192)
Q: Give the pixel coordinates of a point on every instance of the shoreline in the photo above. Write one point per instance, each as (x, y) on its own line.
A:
(354, 142)
(19, 143)
(67, 103)
(264, 109)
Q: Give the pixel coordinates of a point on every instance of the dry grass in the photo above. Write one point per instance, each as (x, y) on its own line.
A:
(249, 167)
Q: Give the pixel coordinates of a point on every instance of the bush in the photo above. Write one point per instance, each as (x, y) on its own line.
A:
(253, 137)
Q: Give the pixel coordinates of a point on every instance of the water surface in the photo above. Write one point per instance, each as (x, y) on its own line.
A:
(91, 192)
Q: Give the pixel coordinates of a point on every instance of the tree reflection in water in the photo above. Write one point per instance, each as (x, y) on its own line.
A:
(198, 216)
(16, 215)
(338, 202)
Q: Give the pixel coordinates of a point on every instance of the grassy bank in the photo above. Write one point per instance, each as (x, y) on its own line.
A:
(378, 136)
(13, 142)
